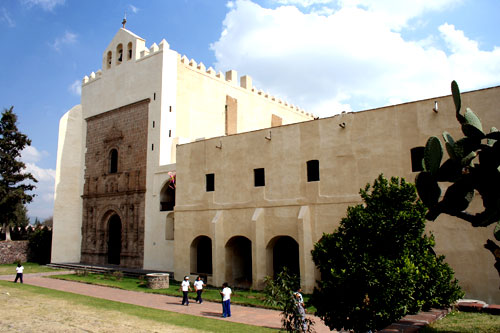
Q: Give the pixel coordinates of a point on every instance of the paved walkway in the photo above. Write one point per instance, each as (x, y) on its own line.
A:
(240, 314)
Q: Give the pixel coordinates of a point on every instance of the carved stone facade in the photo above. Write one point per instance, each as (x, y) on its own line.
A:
(115, 186)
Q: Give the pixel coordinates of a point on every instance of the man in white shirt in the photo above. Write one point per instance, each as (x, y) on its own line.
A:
(185, 288)
(226, 300)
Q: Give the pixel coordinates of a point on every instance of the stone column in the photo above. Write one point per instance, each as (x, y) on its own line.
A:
(258, 249)
(218, 251)
(305, 246)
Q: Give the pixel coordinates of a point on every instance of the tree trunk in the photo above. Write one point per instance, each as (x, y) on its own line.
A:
(6, 229)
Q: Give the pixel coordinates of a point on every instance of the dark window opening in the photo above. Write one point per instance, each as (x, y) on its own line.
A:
(170, 108)
(313, 171)
(417, 157)
(153, 124)
(152, 146)
(169, 133)
(259, 177)
(210, 182)
(129, 47)
(113, 161)
(154, 96)
(167, 197)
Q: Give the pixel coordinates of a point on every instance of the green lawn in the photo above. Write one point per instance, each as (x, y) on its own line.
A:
(465, 322)
(29, 267)
(242, 297)
(159, 316)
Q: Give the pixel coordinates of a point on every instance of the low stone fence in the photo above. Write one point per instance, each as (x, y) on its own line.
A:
(13, 251)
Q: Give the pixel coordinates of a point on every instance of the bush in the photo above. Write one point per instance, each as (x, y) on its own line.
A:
(379, 266)
(39, 246)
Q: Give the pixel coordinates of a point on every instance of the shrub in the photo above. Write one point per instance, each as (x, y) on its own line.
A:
(379, 266)
(280, 292)
(39, 246)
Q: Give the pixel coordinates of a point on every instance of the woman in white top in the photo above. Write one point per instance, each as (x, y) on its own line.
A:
(185, 288)
(198, 286)
(226, 300)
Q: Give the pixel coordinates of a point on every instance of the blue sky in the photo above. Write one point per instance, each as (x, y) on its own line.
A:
(326, 56)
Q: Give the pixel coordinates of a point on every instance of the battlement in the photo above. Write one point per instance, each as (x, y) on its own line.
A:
(154, 49)
(230, 77)
(245, 82)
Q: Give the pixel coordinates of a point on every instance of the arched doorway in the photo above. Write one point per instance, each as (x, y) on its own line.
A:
(239, 262)
(114, 239)
(283, 251)
(201, 255)
(167, 197)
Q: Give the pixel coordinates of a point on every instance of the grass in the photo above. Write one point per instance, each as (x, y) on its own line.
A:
(29, 267)
(159, 316)
(240, 296)
(465, 322)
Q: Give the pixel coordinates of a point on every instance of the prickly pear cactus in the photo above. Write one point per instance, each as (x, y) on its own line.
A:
(473, 166)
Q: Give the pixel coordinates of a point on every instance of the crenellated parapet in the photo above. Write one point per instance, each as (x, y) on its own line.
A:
(153, 50)
(245, 83)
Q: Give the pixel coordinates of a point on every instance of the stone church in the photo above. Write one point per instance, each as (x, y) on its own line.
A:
(167, 165)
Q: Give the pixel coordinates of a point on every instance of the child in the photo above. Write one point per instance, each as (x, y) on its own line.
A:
(226, 300)
(19, 274)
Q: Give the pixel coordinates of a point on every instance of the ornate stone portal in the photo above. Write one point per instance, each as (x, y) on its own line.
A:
(115, 186)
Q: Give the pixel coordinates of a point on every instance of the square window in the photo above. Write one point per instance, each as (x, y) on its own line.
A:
(259, 177)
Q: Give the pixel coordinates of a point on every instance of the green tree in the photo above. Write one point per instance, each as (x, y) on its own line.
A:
(14, 182)
(280, 292)
(379, 266)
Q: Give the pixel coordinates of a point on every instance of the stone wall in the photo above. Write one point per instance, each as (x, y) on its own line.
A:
(12, 251)
(115, 186)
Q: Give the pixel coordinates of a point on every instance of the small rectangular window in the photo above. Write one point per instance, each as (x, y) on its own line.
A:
(259, 177)
(170, 108)
(152, 146)
(417, 156)
(313, 171)
(169, 133)
(153, 124)
(154, 96)
(210, 182)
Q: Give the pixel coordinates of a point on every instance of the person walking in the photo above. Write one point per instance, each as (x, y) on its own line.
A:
(299, 302)
(198, 287)
(226, 300)
(19, 272)
(185, 288)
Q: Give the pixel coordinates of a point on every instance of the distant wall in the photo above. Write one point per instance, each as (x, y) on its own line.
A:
(12, 251)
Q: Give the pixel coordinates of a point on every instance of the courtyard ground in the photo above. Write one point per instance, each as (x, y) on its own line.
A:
(29, 312)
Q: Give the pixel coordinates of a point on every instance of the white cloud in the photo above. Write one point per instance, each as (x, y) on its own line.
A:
(67, 39)
(76, 87)
(304, 3)
(47, 5)
(43, 202)
(351, 58)
(5, 17)
(133, 9)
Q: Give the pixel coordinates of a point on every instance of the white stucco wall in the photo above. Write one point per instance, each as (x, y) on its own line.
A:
(67, 237)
